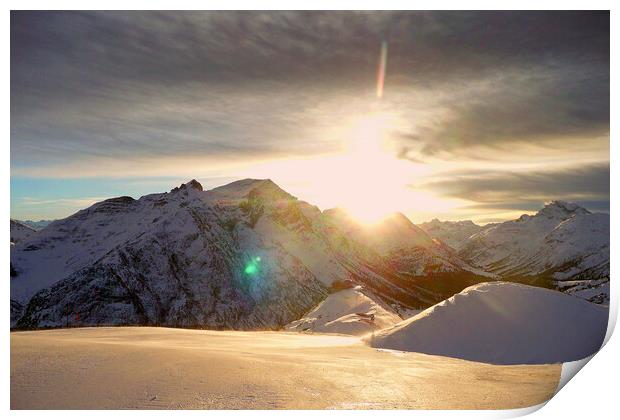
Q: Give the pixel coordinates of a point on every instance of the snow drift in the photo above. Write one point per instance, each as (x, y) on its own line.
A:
(503, 323)
(349, 312)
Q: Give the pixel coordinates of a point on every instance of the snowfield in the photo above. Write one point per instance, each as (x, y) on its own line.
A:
(162, 368)
(503, 323)
(350, 311)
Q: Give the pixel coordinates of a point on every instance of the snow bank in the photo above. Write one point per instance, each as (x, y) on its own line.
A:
(348, 312)
(503, 323)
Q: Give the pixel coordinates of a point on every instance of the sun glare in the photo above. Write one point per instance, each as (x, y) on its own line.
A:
(366, 179)
(370, 172)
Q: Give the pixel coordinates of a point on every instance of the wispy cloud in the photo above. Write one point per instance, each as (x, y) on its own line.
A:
(238, 85)
(525, 190)
(69, 202)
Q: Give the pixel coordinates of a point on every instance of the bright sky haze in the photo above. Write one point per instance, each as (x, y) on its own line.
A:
(455, 115)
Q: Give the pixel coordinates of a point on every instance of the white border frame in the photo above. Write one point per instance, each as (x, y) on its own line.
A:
(592, 395)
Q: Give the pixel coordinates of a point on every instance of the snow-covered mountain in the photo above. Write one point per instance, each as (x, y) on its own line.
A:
(185, 258)
(595, 291)
(407, 249)
(249, 255)
(503, 323)
(352, 311)
(20, 231)
(453, 234)
(36, 224)
(245, 255)
(563, 241)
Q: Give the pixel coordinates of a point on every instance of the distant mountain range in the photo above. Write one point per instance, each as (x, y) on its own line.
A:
(563, 241)
(36, 225)
(453, 234)
(248, 255)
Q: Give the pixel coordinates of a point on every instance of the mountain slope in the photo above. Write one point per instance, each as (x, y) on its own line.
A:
(20, 231)
(503, 323)
(407, 249)
(36, 224)
(562, 241)
(245, 255)
(453, 234)
(166, 259)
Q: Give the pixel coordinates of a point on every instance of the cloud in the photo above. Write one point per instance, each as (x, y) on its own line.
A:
(69, 202)
(526, 190)
(86, 86)
(540, 106)
(520, 96)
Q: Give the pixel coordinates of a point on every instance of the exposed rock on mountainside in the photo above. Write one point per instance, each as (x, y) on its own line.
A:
(165, 259)
(595, 291)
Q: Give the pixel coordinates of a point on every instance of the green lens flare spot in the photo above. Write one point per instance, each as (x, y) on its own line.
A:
(252, 266)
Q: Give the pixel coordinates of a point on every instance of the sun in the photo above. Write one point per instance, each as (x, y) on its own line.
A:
(372, 176)
(365, 178)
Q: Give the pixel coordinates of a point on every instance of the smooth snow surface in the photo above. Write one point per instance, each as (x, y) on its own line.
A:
(350, 312)
(163, 368)
(503, 323)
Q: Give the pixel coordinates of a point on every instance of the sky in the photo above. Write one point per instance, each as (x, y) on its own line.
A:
(454, 115)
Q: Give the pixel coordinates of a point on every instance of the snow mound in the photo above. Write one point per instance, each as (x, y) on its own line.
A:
(503, 323)
(349, 311)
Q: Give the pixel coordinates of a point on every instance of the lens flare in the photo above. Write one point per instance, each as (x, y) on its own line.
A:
(381, 69)
(252, 266)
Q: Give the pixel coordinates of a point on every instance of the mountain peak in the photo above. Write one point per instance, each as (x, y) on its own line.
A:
(267, 189)
(250, 188)
(193, 184)
(436, 223)
(561, 209)
(399, 217)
